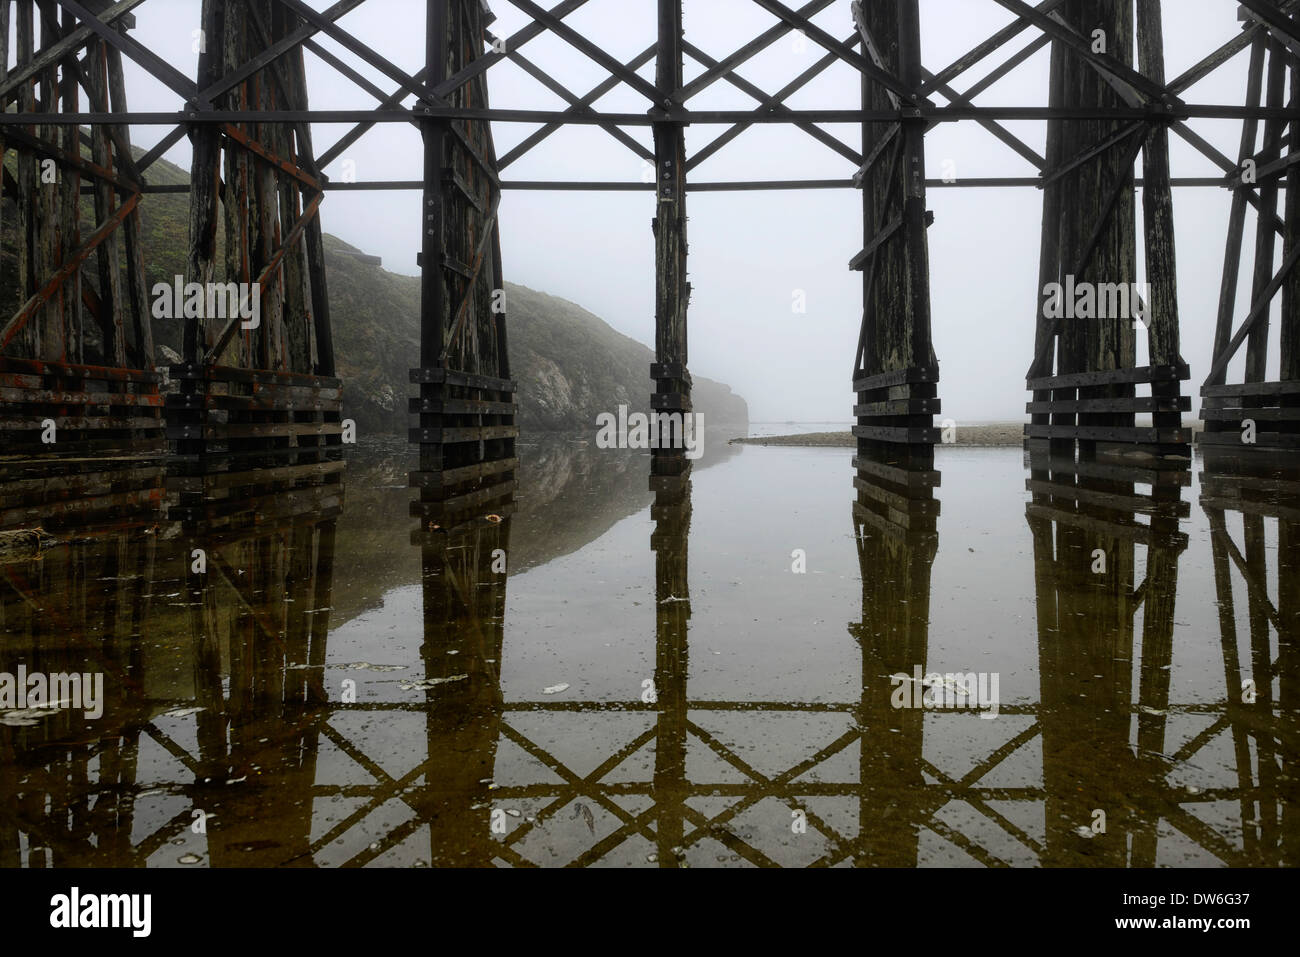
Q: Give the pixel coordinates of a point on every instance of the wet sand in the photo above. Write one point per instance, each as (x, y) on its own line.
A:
(977, 436)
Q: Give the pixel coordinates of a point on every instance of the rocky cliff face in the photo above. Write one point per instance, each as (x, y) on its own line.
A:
(570, 364)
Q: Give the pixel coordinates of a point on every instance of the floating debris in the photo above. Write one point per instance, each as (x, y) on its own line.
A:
(23, 544)
(556, 689)
(189, 859)
(25, 717)
(428, 683)
(182, 712)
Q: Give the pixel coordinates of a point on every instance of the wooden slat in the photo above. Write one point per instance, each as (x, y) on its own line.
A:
(79, 423)
(1127, 504)
(80, 446)
(670, 402)
(1078, 380)
(1134, 532)
(258, 376)
(896, 377)
(418, 405)
(910, 504)
(261, 402)
(224, 480)
(469, 380)
(459, 503)
(902, 435)
(1182, 403)
(65, 397)
(1236, 415)
(924, 406)
(77, 371)
(252, 430)
(911, 478)
(436, 480)
(670, 370)
(893, 523)
(1251, 389)
(1145, 474)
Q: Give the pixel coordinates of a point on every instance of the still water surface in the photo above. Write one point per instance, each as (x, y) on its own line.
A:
(701, 683)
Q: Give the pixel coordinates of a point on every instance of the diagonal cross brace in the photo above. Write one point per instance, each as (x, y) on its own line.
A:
(155, 65)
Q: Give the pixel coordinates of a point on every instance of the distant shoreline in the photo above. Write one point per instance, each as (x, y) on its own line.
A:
(997, 435)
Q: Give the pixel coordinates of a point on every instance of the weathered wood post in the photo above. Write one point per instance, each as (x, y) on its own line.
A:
(1256, 414)
(896, 372)
(672, 393)
(466, 403)
(1084, 374)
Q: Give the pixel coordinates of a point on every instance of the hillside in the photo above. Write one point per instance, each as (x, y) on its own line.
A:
(570, 364)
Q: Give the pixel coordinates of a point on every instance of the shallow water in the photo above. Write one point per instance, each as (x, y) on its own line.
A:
(699, 679)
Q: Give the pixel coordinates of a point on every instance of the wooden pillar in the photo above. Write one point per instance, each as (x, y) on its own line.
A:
(895, 370)
(28, 178)
(1162, 332)
(672, 291)
(432, 307)
(1265, 234)
(1237, 215)
(1289, 340)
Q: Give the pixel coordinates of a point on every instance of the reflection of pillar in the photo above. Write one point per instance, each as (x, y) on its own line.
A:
(1288, 672)
(1086, 600)
(260, 615)
(672, 517)
(894, 524)
(1260, 487)
(464, 587)
(77, 607)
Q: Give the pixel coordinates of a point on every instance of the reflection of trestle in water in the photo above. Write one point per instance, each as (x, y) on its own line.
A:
(164, 610)
(894, 523)
(291, 769)
(74, 605)
(1088, 599)
(88, 497)
(464, 567)
(1264, 698)
(671, 482)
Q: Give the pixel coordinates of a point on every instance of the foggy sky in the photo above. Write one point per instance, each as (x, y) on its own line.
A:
(750, 252)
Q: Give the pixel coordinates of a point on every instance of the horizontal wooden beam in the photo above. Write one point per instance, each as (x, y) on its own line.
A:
(942, 114)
